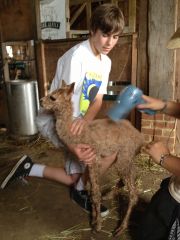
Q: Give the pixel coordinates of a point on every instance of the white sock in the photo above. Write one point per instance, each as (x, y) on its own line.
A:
(37, 170)
(80, 185)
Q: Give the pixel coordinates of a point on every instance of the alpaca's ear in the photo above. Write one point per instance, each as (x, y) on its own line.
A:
(71, 88)
(63, 85)
(69, 91)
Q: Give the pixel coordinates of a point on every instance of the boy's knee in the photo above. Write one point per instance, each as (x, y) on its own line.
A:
(74, 178)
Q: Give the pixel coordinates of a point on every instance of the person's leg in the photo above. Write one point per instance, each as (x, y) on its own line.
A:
(25, 167)
(157, 218)
(78, 194)
(60, 175)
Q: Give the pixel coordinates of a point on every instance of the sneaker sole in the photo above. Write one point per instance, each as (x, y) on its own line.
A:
(103, 214)
(4, 183)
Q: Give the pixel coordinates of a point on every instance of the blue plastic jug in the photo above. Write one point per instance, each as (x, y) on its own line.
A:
(129, 97)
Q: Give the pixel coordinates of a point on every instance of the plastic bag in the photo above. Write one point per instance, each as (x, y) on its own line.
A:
(45, 122)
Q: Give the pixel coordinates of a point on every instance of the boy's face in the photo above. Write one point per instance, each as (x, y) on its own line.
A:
(103, 43)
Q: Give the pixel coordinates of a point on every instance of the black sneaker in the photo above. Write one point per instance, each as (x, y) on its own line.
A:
(83, 200)
(20, 170)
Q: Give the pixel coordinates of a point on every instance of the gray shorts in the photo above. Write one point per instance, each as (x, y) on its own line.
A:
(73, 166)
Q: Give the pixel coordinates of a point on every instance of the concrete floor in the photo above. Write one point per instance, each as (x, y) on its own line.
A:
(39, 209)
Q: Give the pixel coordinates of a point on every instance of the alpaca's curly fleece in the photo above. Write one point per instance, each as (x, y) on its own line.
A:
(106, 137)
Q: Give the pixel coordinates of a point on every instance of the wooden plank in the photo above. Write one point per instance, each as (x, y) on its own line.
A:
(121, 59)
(132, 15)
(161, 66)
(142, 68)
(6, 68)
(134, 73)
(77, 13)
(177, 79)
(114, 2)
(38, 18)
(67, 18)
(88, 13)
(134, 60)
(131, 27)
(77, 2)
(18, 21)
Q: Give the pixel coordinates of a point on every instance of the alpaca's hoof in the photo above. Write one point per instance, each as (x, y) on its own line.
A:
(98, 227)
(120, 230)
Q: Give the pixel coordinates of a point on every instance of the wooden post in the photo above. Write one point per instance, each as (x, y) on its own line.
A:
(177, 80)
(38, 19)
(88, 13)
(67, 9)
(142, 68)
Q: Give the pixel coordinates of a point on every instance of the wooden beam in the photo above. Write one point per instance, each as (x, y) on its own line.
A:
(38, 19)
(77, 13)
(88, 13)
(177, 79)
(142, 69)
(76, 2)
(114, 2)
(67, 9)
(132, 15)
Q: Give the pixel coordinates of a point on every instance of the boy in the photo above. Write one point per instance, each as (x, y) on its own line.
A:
(88, 66)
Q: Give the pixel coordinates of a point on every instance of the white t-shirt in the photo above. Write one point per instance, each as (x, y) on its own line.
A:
(90, 75)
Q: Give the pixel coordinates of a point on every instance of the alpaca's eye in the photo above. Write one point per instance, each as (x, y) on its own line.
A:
(52, 98)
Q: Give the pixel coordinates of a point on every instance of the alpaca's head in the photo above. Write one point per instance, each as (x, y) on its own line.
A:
(58, 100)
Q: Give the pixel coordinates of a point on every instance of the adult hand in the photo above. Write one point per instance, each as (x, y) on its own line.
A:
(84, 152)
(152, 103)
(155, 150)
(78, 125)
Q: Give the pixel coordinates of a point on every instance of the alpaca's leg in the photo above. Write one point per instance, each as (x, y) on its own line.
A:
(133, 197)
(95, 195)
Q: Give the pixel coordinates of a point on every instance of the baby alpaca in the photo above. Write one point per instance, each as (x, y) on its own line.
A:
(106, 137)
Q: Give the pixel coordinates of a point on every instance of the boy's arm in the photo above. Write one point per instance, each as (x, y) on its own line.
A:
(84, 152)
(78, 125)
(94, 108)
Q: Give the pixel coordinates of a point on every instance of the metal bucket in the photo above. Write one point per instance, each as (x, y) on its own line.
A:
(23, 105)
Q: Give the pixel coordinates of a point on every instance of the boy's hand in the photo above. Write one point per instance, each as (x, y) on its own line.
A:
(155, 150)
(84, 153)
(78, 125)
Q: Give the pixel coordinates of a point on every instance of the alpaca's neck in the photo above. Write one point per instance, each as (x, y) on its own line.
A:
(65, 116)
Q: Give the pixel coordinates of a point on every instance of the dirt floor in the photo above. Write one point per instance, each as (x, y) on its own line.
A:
(38, 209)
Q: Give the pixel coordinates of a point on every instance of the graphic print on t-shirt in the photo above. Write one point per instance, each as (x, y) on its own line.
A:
(91, 85)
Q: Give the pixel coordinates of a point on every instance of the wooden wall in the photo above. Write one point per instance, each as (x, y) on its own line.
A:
(18, 20)
(123, 58)
(161, 60)
(177, 79)
(17, 23)
(142, 67)
(163, 70)
(123, 72)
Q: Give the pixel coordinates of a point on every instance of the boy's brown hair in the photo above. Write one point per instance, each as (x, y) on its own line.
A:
(108, 18)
